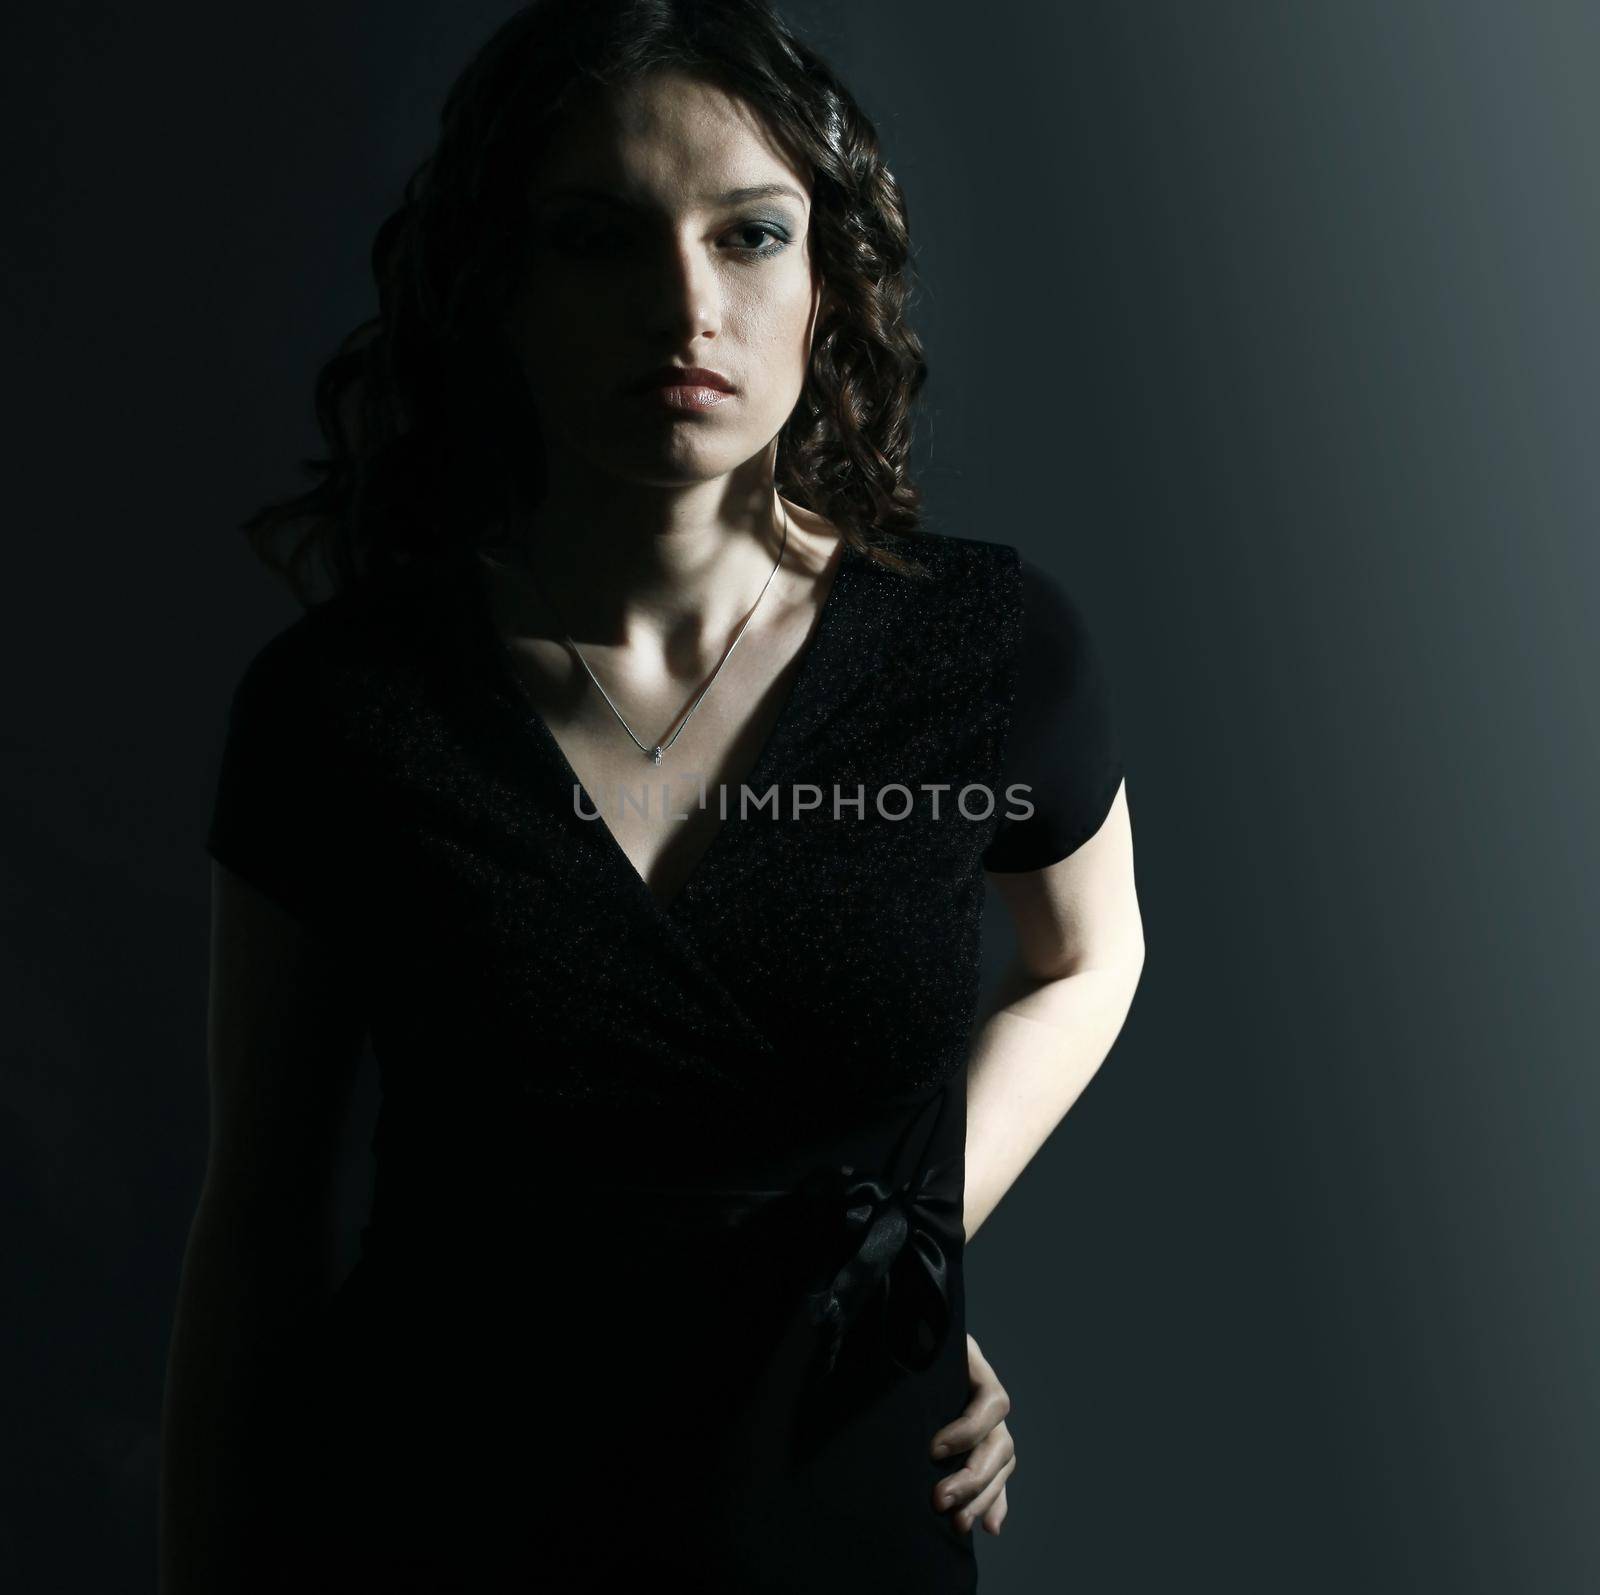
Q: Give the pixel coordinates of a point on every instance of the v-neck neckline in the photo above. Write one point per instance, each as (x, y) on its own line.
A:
(802, 689)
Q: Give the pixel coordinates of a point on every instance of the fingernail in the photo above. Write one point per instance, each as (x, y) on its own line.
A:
(940, 1447)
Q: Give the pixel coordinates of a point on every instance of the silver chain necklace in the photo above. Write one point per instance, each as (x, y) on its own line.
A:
(654, 753)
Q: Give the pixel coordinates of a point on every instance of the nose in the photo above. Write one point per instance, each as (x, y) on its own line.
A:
(682, 293)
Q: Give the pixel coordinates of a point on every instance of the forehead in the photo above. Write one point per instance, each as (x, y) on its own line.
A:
(667, 136)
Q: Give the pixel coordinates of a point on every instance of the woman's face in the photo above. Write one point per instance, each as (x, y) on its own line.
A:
(643, 257)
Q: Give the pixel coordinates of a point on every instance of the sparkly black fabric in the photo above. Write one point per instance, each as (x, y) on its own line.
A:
(667, 1227)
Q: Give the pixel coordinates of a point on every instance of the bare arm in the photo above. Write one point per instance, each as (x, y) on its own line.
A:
(283, 1039)
(1080, 953)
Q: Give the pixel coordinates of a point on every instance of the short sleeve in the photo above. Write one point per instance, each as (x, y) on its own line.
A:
(1062, 744)
(279, 792)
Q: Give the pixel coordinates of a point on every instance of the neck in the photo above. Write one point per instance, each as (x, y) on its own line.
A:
(640, 564)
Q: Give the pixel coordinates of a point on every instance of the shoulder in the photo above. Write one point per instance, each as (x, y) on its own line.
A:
(1053, 620)
(1040, 598)
(1025, 605)
(948, 628)
(1061, 747)
(947, 555)
(968, 576)
(968, 601)
(323, 660)
(282, 674)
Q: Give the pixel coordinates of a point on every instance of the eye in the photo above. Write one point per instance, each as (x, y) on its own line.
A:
(594, 237)
(778, 240)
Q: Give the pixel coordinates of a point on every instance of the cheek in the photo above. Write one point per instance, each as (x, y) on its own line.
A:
(773, 345)
(570, 367)
(551, 338)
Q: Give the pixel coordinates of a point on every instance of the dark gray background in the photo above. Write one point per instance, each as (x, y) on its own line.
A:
(1271, 329)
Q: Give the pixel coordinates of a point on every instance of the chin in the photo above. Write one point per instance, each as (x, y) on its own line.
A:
(681, 462)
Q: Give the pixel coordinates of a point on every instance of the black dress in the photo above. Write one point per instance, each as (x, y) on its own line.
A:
(662, 1284)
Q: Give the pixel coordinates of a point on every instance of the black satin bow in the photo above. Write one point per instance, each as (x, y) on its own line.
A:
(899, 1270)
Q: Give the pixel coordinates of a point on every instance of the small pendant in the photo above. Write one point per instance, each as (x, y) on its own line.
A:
(655, 758)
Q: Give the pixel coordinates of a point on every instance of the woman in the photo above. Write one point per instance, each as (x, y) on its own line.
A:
(635, 791)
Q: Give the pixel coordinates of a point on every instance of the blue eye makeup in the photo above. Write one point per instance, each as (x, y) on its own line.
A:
(778, 239)
(580, 237)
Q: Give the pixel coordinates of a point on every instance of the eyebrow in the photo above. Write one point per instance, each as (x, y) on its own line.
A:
(734, 196)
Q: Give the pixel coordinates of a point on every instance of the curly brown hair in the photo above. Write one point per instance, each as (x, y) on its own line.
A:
(428, 423)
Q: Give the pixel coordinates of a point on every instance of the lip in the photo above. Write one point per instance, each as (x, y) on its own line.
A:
(684, 397)
(693, 378)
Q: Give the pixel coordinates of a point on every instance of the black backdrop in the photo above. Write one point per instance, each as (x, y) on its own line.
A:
(1272, 330)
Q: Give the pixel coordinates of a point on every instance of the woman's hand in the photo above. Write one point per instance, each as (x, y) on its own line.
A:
(979, 1488)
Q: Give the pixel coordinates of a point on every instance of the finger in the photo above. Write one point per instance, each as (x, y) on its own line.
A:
(979, 1369)
(964, 1519)
(982, 1466)
(973, 1510)
(996, 1515)
(990, 1405)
